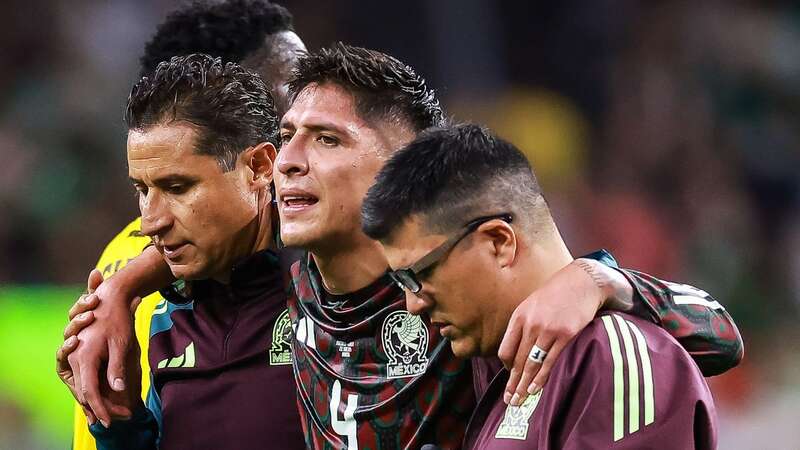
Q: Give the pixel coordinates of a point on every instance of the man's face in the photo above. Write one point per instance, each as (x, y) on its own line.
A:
(200, 218)
(328, 161)
(457, 293)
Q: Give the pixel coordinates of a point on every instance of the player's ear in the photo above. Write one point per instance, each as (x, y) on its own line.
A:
(260, 161)
(502, 239)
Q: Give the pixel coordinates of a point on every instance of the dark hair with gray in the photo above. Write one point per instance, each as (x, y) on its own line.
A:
(384, 87)
(230, 107)
(451, 176)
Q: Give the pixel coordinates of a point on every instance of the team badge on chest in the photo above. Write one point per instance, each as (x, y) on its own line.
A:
(280, 352)
(405, 341)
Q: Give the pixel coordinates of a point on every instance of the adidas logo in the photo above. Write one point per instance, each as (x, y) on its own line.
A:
(186, 360)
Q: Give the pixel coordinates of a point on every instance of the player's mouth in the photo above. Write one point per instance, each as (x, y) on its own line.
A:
(173, 251)
(296, 201)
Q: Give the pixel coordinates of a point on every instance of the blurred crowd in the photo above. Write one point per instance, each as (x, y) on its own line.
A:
(666, 132)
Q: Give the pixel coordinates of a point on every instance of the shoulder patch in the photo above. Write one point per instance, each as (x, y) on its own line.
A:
(626, 341)
(516, 420)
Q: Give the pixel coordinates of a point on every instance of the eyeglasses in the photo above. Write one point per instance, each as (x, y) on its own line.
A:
(408, 278)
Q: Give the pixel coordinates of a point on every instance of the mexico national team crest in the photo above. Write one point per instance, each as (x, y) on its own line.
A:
(405, 341)
(517, 419)
(280, 352)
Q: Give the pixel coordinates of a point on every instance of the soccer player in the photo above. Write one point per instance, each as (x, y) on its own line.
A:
(352, 108)
(260, 35)
(368, 374)
(201, 146)
(468, 233)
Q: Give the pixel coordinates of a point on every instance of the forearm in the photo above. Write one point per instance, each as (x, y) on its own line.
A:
(617, 290)
(697, 321)
(143, 275)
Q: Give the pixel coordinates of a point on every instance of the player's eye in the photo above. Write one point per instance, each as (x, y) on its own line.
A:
(177, 189)
(327, 140)
(285, 137)
(140, 190)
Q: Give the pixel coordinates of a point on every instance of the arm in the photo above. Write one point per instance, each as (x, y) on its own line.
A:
(108, 339)
(697, 321)
(133, 427)
(140, 432)
(550, 319)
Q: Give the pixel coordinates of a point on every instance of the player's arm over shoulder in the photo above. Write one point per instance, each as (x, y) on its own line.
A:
(625, 383)
(693, 317)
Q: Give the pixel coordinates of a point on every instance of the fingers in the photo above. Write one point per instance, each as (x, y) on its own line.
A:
(62, 365)
(117, 350)
(90, 417)
(78, 323)
(135, 304)
(86, 302)
(552, 356)
(529, 371)
(76, 378)
(90, 391)
(508, 346)
(94, 281)
(528, 337)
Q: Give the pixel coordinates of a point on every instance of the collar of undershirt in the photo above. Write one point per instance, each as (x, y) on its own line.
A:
(250, 279)
(347, 300)
(349, 314)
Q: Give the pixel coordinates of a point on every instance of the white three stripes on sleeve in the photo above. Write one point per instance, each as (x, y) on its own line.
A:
(630, 333)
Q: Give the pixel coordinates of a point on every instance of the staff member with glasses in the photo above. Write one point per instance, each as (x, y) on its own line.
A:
(621, 383)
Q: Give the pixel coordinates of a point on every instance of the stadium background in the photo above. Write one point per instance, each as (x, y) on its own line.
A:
(666, 131)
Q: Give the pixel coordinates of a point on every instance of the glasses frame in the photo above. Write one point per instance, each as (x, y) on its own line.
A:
(408, 277)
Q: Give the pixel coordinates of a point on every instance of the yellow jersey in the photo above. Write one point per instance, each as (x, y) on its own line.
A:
(127, 245)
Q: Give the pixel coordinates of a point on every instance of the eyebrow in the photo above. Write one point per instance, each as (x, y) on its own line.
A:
(317, 126)
(167, 180)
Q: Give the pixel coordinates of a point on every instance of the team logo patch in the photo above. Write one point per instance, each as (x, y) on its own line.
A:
(280, 352)
(405, 341)
(517, 419)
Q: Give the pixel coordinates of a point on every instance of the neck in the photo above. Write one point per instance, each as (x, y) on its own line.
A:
(536, 263)
(257, 236)
(540, 265)
(349, 269)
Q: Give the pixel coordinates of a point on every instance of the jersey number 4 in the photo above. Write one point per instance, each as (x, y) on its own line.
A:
(346, 427)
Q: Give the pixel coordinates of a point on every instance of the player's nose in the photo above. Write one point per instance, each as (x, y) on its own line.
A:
(292, 158)
(156, 218)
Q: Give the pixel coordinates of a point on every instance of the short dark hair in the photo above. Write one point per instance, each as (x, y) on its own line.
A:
(231, 30)
(451, 176)
(230, 106)
(383, 86)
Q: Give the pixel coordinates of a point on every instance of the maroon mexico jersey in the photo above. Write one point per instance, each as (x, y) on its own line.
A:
(369, 374)
(622, 383)
(221, 364)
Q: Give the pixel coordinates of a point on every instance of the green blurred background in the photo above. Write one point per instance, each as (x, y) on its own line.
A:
(32, 397)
